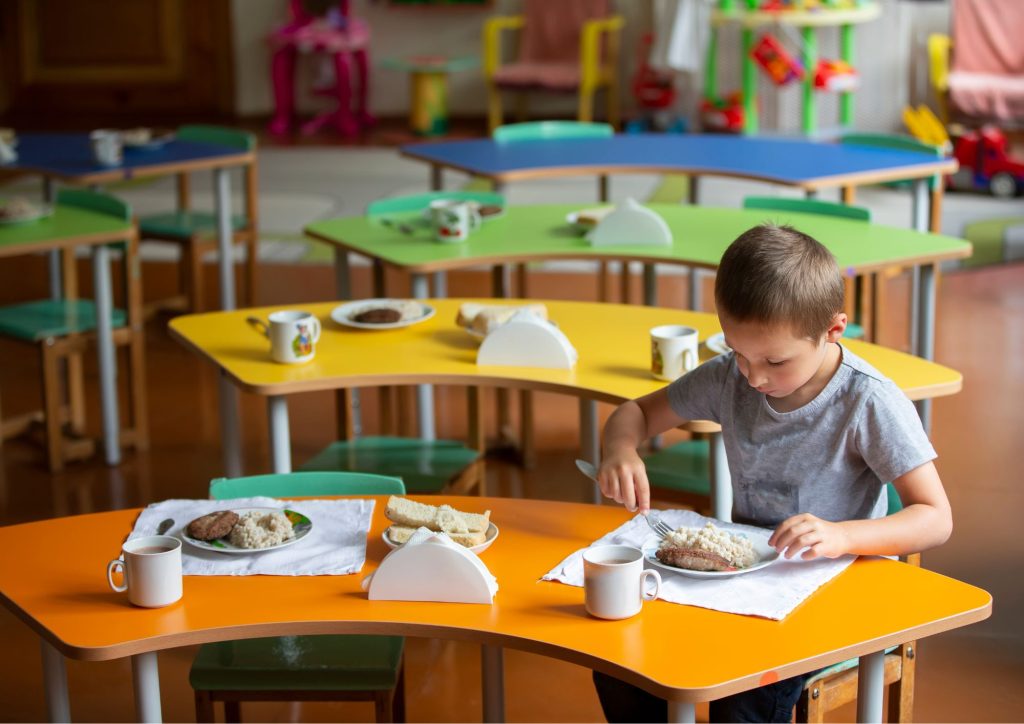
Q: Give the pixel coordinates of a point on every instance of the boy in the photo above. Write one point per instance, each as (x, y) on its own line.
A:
(812, 435)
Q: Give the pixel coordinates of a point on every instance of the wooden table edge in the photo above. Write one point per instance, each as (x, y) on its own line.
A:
(93, 239)
(121, 173)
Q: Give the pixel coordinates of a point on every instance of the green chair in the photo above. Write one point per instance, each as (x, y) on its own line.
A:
(196, 231)
(301, 668)
(63, 328)
(418, 202)
(836, 685)
(551, 131)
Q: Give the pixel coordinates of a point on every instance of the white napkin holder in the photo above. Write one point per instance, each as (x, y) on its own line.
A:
(431, 567)
(631, 224)
(526, 340)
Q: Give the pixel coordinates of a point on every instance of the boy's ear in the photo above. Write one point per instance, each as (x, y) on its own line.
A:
(837, 327)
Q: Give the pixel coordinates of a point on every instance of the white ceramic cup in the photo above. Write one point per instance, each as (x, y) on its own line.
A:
(293, 335)
(152, 570)
(453, 220)
(673, 351)
(107, 147)
(614, 580)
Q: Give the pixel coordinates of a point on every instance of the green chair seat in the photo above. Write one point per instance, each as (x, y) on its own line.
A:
(551, 131)
(425, 466)
(413, 203)
(351, 662)
(838, 669)
(853, 331)
(682, 467)
(184, 224)
(44, 318)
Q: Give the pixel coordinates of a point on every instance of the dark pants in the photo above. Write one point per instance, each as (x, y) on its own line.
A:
(624, 702)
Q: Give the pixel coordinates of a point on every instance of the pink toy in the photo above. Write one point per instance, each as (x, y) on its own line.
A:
(321, 26)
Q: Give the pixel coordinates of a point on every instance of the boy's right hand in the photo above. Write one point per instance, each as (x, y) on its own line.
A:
(623, 478)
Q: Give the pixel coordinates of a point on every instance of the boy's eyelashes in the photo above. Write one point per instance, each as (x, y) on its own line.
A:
(776, 364)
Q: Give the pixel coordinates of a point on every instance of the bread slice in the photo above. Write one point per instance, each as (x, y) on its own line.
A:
(410, 513)
(401, 534)
(484, 318)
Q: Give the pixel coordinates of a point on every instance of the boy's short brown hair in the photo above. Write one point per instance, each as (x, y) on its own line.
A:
(778, 275)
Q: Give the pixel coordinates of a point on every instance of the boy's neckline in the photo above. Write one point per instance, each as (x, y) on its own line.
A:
(808, 393)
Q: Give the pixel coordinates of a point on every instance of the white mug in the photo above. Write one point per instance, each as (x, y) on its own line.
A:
(673, 351)
(293, 335)
(614, 579)
(152, 570)
(453, 220)
(107, 147)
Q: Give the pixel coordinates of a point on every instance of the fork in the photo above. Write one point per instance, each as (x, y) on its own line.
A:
(657, 524)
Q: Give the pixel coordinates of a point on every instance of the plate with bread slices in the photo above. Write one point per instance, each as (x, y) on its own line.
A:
(710, 552)
(382, 313)
(587, 219)
(479, 320)
(474, 531)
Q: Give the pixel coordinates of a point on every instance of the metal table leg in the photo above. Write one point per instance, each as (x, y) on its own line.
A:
(146, 677)
(424, 393)
(106, 353)
(721, 481)
(682, 712)
(590, 444)
(230, 434)
(650, 285)
(926, 332)
(225, 235)
(342, 274)
(492, 669)
(920, 206)
(870, 687)
(53, 260)
(694, 289)
(280, 435)
(55, 683)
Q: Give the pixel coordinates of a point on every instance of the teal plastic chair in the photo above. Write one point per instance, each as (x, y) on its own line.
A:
(301, 668)
(836, 685)
(196, 231)
(62, 328)
(418, 202)
(897, 142)
(551, 131)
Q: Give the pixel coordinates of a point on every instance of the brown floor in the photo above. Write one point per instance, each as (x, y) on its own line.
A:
(963, 676)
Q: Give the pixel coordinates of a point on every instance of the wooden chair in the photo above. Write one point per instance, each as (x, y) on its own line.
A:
(196, 231)
(63, 329)
(302, 668)
(564, 47)
(836, 685)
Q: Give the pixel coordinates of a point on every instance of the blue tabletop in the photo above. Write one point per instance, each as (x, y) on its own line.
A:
(787, 161)
(70, 154)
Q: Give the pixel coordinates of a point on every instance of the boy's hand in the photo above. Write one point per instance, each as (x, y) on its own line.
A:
(821, 538)
(623, 478)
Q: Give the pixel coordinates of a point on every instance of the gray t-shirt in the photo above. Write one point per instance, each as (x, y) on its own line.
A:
(832, 457)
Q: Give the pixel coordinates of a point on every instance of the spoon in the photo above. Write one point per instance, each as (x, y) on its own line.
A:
(165, 525)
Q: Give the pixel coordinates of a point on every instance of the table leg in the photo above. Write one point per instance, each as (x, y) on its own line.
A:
(810, 193)
(492, 669)
(230, 434)
(602, 188)
(650, 285)
(56, 283)
(342, 274)
(424, 393)
(870, 687)
(106, 353)
(225, 235)
(920, 211)
(590, 443)
(682, 712)
(694, 289)
(146, 677)
(280, 435)
(721, 481)
(436, 177)
(926, 332)
(55, 683)
(440, 284)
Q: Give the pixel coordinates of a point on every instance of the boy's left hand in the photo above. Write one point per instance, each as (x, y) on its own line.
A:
(821, 538)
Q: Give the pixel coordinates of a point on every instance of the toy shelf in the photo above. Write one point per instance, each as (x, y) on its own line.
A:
(807, 21)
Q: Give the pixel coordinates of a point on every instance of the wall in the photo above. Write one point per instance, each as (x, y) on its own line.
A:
(883, 57)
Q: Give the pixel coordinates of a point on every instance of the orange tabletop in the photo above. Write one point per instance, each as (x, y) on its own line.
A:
(671, 650)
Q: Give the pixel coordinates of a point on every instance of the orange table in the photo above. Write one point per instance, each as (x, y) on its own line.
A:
(683, 653)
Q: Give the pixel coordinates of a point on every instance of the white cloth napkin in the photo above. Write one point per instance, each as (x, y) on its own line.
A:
(336, 545)
(772, 592)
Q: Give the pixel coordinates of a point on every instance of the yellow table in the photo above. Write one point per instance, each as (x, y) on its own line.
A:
(614, 363)
(682, 653)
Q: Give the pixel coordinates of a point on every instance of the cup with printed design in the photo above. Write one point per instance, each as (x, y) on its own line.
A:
(151, 571)
(673, 351)
(614, 581)
(293, 335)
(107, 147)
(453, 220)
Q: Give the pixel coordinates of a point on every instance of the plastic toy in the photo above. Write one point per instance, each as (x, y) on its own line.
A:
(723, 114)
(925, 126)
(325, 27)
(986, 164)
(655, 92)
(772, 56)
(836, 75)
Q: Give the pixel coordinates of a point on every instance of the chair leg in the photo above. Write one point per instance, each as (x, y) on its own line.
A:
(193, 263)
(51, 407)
(251, 252)
(382, 707)
(603, 283)
(137, 386)
(614, 110)
(527, 445)
(901, 691)
(522, 106)
(204, 707)
(398, 702)
(494, 113)
(586, 105)
(76, 393)
(233, 711)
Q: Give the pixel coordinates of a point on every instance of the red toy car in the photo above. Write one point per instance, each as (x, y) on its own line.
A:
(985, 163)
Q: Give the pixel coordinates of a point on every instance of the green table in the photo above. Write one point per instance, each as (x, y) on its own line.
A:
(701, 235)
(69, 228)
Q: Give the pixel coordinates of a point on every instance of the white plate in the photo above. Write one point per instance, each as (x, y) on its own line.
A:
(492, 533)
(766, 556)
(343, 314)
(300, 523)
(716, 343)
(38, 212)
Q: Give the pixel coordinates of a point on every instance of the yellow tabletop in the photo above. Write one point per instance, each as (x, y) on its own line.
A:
(56, 585)
(612, 341)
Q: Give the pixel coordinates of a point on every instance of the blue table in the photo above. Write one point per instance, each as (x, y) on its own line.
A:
(67, 157)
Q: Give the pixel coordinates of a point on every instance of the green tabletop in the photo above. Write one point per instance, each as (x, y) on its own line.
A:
(66, 226)
(701, 235)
